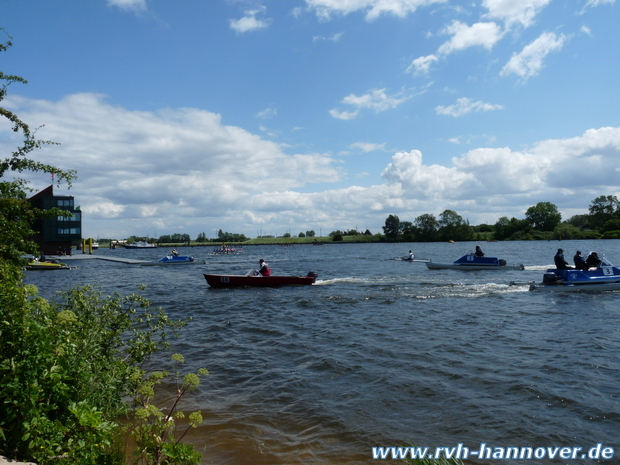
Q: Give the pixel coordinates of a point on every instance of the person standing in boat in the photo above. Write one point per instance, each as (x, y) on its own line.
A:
(560, 263)
(478, 252)
(580, 263)
(263, 268)
(593, 261)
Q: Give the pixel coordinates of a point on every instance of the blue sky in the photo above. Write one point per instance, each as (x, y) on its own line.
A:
(271, 116)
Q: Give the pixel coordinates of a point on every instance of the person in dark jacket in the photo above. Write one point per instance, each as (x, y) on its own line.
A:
(560, 263)
(593, 261)
(478, 252)
(580, 263)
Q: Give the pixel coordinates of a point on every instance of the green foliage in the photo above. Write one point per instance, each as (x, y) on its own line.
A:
(602, 209)
(66, 366)
(544, 216)
(174, 238)
(427, 226)
(392, 228)
(155, 431)
(230, 237)
(16, 214)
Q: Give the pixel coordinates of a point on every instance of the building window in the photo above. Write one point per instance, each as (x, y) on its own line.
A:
(73, 217)
(63, 231)
(65, 202)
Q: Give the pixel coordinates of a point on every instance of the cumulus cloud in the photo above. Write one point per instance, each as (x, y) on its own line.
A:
(184, 170)
(463, 36)
(512, 12)
(135, 164)
(249, 22)
(552, 169)
(529, 61)
(421, 65)
(377, 100)
(464, 106)
(325, 9)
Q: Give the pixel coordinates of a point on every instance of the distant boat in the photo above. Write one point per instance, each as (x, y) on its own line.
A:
(53, 265)
(140, 245)
(471, 262)
(172, 259)
(95, 245)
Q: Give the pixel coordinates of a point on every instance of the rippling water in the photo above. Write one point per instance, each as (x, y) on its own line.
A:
(381, 352)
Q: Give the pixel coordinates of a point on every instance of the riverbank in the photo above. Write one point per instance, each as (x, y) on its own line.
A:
(5, 461)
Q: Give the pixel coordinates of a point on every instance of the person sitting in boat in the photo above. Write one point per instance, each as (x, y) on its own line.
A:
(174, 253)
(263, 268)
(411, 256)
(478, 252)
(560, 263)
(593, 261)
(580, 263)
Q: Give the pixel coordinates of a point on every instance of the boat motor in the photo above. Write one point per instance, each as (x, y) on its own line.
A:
(312, 274)
(550, 278)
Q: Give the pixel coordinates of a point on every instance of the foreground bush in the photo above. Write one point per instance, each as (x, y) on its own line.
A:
(66, 367)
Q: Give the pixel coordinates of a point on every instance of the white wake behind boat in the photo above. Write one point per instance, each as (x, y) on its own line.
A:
(470, 262)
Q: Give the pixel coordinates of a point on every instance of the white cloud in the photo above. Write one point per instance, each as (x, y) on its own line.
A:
(529, 61)
(178, 170)
(463, 36)
(249, 22)
(595, 3)
(344, 115)
(324, 9)
(367, 147)
(267, 113)
(376, 100)
(335, 38)
(464, 106)
(422, 65)
(514, 11)
(128, 5)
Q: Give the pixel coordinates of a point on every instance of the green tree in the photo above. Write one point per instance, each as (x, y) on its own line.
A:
(452, 226)
(427, 227)
(16, 214)
(506, 228)
(544, 216)
(392, 228)
(604, 208)
(310, 233)
(202, 237)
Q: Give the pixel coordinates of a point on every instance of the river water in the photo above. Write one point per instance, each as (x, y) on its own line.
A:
(382, 352)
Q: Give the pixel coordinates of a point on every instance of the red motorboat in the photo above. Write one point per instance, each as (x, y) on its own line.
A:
(232, 280)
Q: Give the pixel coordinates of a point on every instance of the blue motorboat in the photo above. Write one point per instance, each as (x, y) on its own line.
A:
(605, 277)
(172, 259)
(470, 262)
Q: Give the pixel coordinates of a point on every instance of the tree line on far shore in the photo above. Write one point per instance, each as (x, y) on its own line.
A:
(542, 221)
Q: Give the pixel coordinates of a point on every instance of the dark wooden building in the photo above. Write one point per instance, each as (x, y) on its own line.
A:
(56, 235)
